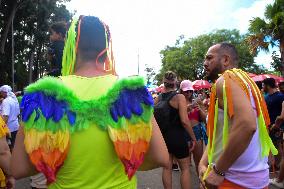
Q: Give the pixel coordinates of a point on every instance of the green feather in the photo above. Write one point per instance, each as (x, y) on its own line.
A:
(96, 111)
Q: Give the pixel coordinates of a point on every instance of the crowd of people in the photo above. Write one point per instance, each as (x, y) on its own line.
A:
(89, 129)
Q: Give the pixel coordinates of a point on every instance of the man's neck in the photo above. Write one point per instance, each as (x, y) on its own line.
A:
(90, 69)
(229, 68)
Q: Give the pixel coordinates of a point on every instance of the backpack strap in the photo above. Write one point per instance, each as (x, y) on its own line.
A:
(173, 93)
(168, 98)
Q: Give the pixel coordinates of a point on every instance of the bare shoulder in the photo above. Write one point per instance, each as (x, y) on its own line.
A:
(179, 97)
(176, 100)
(220, 82)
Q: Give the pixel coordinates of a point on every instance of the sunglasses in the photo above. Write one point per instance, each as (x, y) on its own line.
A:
(190, 91)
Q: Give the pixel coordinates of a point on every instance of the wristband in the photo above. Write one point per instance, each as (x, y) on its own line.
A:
(213, 166)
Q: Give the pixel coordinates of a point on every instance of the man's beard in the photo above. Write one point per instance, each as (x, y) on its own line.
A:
(214, 74)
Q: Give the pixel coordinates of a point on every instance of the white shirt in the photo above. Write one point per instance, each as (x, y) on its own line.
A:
(10, 108)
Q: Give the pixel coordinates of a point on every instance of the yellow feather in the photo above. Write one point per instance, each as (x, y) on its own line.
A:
(47, 140)
(131, 132)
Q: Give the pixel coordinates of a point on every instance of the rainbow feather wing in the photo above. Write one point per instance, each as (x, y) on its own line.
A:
(131, 134)
(47, 135)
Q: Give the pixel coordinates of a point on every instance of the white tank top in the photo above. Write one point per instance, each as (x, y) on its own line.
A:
(250, 170)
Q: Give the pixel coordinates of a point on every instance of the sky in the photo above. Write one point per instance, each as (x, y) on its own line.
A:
(145, 27)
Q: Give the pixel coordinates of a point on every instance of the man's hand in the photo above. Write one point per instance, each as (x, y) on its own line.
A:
(279, 120)
(192, 145)
(213, 180)
(201, 170)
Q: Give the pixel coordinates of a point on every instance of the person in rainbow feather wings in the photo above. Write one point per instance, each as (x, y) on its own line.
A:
(87, 129)
(239, 144)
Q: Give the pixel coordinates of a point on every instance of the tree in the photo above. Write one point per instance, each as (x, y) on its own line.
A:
(150, 73)
(32, 19)
(186, 57)
(268, 31)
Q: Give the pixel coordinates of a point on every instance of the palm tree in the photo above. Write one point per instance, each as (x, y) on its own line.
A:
(268, 31)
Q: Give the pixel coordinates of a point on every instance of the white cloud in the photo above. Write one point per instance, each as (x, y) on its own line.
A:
(264, 59)
(150, 25)
(242, 16)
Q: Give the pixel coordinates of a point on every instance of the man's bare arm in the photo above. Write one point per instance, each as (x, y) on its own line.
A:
(204, 159)
(157, 155)
(21, 165)
(241, 129)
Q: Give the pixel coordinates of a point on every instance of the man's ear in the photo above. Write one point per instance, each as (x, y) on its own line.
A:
(226, 60)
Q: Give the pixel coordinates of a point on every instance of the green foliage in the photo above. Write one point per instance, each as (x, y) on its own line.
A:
(269, 31)
(31, 23)
(276, 64)
(150, 73)
(186, 58)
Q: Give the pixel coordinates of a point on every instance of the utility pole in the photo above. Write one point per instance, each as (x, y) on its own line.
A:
(13, 60)
(138, 63)
(31, 64)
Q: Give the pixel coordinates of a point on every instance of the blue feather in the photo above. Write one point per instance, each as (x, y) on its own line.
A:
(49, 106)
(71, 117)
(59, 111)
(126, 109)
(113, 113)
(129, 102)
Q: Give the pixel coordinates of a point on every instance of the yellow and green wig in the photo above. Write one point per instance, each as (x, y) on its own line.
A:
(72, 44)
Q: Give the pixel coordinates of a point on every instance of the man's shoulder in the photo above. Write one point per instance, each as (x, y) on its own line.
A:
(280, 96)
(7, 100)
(277, 95)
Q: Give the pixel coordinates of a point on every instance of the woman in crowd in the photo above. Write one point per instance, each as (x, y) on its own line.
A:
(196, 115)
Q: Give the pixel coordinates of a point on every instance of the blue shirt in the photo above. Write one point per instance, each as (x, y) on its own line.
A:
(274, 105)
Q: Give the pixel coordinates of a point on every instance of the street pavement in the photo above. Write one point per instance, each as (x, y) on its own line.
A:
(146, 180)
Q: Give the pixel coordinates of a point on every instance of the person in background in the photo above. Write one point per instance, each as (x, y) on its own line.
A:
(274, 100)
(206, 102)
(170, 111)
(259, 85)
(74, 127)
(7, 181)
(10, 111)
(55, 51)
(239, 143)
(281, 87)
(196, 115)
(278, 181)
